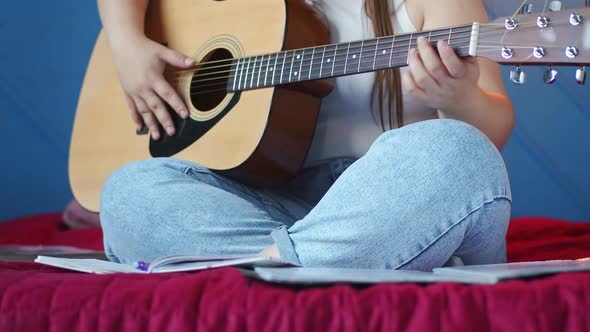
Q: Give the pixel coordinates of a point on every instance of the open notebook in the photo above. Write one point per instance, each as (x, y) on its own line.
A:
(177, 263)
(277, 270)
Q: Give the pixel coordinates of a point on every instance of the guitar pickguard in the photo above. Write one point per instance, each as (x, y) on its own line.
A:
(188, 131)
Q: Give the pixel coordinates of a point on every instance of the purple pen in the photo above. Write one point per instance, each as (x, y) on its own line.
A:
(143, 266)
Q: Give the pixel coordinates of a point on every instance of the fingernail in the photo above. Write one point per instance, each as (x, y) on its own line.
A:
(155, 135)
(184, 114)
(188, 61)
(170, 131)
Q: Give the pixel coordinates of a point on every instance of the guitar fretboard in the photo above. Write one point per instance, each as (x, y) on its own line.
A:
(337, 59)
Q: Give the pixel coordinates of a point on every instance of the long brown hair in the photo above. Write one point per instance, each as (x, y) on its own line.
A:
(387, 82)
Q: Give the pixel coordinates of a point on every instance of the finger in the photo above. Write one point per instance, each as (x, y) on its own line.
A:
(169, 95)
(410, 85)
(454, 65)
(420, 74)
(176, 59)
(159, 110)
(134, 114)
(431, 60)
(148, 117)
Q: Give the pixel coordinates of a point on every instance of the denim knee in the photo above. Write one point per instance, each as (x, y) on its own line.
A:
(130, 178)
(446, 148)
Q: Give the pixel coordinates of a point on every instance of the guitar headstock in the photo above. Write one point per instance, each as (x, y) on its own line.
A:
(550, 38)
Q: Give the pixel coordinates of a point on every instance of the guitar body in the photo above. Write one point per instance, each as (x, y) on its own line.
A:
(256, 136)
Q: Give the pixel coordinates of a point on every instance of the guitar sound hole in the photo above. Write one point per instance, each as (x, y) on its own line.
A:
(209, 83)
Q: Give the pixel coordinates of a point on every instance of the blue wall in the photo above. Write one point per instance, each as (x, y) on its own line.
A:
(45, 49)
(45, 46)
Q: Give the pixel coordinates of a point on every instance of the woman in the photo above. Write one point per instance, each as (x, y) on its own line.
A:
(373, 193)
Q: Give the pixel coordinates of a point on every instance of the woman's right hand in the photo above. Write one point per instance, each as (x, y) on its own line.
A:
(140, 64)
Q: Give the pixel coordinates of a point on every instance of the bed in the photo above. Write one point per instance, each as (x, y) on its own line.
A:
(41, 298)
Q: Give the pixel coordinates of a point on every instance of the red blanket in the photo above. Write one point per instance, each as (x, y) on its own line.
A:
(38, 298)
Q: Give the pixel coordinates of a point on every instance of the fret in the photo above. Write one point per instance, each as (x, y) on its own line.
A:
(301, 65)
(267, 69)
(322, 63)
(340, 54)
(409, 48)
(367, 55)
(305, 64)
(283, 67)
(346, 60)
(260, 71)
(294, 71)
(334, 60)
(383, 54)
(391, 51)
(375, 55)
(450, 33)
(291, 73)
(240, 72)
(245, 83)
(236, 73)
(311, 63)
(360, 56)
(328, 61)
(253, 73)
(244, 73)
(353, 56)
(274, 69)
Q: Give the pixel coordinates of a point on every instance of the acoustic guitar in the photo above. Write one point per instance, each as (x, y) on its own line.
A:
(254, 94)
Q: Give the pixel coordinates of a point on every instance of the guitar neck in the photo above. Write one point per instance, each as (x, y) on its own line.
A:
(342, 59)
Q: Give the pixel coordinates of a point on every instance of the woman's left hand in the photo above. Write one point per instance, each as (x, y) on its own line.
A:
(443, 80)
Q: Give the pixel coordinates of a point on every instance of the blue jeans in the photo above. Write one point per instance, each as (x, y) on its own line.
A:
(421, 194)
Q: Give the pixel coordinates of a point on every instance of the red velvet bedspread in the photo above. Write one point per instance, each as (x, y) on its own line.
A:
(40, 298)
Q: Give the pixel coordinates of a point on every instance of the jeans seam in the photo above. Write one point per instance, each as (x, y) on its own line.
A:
(496, 197)
(261, 197)
(229, 183)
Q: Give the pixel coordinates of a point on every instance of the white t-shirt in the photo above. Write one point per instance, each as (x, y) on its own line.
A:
(347, 126)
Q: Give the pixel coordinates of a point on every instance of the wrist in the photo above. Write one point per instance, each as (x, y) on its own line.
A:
(119, 40)
(469, 100)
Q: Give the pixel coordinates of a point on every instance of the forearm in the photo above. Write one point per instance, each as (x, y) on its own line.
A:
(122, 19)
(490, 112)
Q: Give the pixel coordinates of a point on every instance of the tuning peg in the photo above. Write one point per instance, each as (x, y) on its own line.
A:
(517, 75)
(581, 75)
(527, 8)
(555, 6)
(550, 75)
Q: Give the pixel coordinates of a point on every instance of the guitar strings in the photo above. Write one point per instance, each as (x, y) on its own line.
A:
(279, 82)
(289, 60)
(314, 72)
(463, 31)
(258, 72)
(396, 38)
(337, 65)
(483, 25)
(223, 85)
(352, 48)
(459, 30)
(260, 63)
